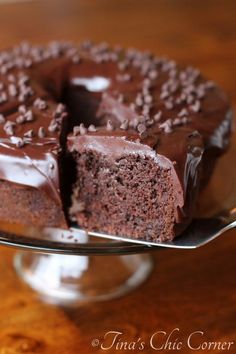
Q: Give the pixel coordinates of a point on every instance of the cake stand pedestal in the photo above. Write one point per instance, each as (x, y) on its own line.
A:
(70, 267)
(72, 279)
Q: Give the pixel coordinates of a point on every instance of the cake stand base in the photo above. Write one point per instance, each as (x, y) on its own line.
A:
(72, 280)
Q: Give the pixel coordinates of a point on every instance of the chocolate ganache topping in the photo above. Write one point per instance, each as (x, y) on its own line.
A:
(61, 97)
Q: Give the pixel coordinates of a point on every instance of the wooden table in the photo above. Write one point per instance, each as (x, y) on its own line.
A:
(189, 290)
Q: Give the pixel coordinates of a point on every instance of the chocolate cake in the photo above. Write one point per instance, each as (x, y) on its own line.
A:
(118, 141)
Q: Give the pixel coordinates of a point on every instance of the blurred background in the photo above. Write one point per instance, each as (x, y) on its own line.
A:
(198, 32)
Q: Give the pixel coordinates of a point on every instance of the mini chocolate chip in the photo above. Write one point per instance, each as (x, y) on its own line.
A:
(29, 116)
(185, 120)
(60, 108)
(139, 101)
(19, 142)
(149, 122)
(164, 94)
(11, 78)
(53, 127)
(177, 121)
(120, 98)
(22, 109)
(148, 99)
(196, 106)
(183, 112)
(29, 134)
(41, 132)
(153, 74)
(169, 105)
(158, 116)
(190, 99)
(76, 130)
(82, 128)
(20, 119)
(194, 134)
(147, 83)
(124, 125)
(9, 127)
(92, 128)
(141, 128)
(3, 97)
(12, 90)
(132, 106)
(146, 109)
(40, 104)
(166, 126)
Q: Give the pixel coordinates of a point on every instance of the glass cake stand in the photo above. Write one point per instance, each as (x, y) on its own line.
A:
(70, 267)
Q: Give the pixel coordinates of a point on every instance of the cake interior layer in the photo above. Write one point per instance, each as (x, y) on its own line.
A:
(19, 201)
(131, 196)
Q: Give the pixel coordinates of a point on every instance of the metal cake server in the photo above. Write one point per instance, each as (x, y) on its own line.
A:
(77, 241)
